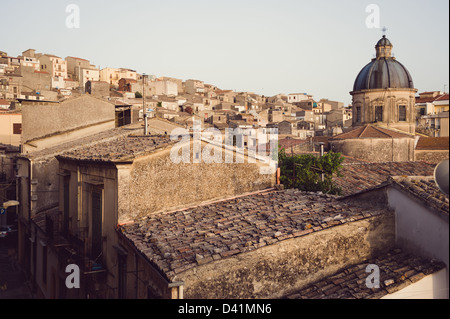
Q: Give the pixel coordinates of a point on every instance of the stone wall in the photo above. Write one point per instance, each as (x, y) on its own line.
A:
(35, 80)
(430, 156)
(154, 183)
(276, 270)
(43, 121)
(390, 99)
(376, 149)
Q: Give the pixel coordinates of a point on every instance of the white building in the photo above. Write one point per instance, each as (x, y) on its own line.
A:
(298, 97)
(86, 75)
(112, 75)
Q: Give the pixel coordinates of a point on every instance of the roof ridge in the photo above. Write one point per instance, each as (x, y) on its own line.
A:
(381, 131)
(364, 130)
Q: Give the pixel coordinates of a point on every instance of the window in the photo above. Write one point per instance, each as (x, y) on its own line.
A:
(378, 114)
(422, 111)
(17, 128)
(358, 114)
(402, 113)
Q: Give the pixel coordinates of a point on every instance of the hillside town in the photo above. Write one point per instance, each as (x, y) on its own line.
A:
(87, 178)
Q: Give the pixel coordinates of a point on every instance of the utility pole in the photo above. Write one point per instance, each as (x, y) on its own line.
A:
(144, 113)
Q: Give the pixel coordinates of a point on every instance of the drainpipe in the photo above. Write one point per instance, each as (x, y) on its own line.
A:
(278, 175)
(393, 149)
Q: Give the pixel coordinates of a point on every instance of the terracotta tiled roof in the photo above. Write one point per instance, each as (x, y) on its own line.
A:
(425, 99)
(433, 143)
(358, 177)
(431, 99)
(370, 131)
(443, 97)
(177, 241)
(287, 143)
(9, 148)
(397, 271)
(424, 189)
(218, 92)
(72, 57)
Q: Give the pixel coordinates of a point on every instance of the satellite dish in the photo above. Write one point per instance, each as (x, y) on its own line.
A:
(441, 176)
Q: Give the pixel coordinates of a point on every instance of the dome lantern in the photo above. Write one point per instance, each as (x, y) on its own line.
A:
(384, 48)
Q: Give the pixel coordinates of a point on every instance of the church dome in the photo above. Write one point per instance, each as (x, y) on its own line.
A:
(384, 71)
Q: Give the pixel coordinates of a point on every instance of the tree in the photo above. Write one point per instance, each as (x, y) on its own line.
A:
(138, 95)
(309, 172)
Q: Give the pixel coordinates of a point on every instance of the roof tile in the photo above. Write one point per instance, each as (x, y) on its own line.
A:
(226, 228)
(398, 270)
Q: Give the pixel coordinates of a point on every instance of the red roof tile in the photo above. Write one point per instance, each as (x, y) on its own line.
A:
(433, 143)
(442, 97)
(426, 98)
(370, 131)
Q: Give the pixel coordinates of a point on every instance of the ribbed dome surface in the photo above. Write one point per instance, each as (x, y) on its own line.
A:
(384, 42)
(382, 74)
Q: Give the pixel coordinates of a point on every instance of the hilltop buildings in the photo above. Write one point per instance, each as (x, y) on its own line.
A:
(97, 192)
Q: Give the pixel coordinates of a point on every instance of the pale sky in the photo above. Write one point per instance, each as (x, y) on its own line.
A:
(267, 47)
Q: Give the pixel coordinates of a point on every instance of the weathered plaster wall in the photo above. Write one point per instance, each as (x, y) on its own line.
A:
(44, 184)
(390, 99)
(154, 183)
(376, 150)
(431, 156)
(71, 119)
(273, 271)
